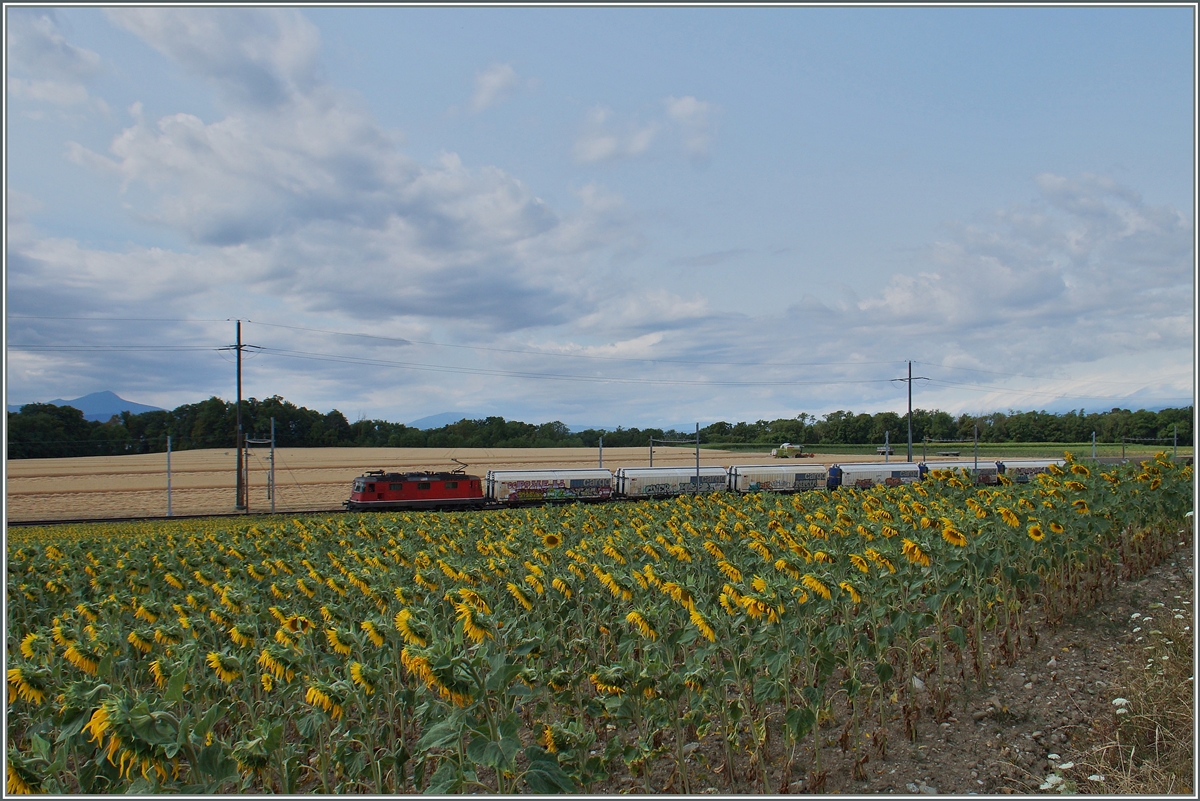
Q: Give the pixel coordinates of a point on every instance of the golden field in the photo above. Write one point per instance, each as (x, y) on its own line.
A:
(307, 479)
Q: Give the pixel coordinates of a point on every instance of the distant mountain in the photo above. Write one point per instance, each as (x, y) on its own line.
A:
(98, 406)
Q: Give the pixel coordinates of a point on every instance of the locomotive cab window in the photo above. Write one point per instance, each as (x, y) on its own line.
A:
(370, 488)
(422, 485)
(451, 485)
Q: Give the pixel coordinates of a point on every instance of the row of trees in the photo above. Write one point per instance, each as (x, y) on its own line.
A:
(42, 430)
(843, 427)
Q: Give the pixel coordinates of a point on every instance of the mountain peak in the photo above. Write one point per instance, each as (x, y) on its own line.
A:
(98, 405)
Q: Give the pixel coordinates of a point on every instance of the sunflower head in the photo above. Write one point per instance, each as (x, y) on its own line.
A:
(228, 668)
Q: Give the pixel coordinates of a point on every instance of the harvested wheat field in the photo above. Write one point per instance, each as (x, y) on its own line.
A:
(306, 479)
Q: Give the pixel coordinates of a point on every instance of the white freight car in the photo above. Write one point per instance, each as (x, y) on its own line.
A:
(540, 486)
(776, 477)
(985, 473)
(642, 482)
(1019, 470)
(868, 474)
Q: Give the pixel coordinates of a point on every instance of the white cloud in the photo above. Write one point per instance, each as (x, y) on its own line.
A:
(37, 46)
(44, 67)
(597, 143)
(254, 57)
(492, 86)
(695, 120)
(304, 178)
(298, 206)
(689, 118)
(1087, 272)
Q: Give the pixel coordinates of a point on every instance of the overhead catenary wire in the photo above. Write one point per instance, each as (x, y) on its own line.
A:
(1045, 393)
(530, 352)
(534, 375)
(329, 357)
(1022, 375)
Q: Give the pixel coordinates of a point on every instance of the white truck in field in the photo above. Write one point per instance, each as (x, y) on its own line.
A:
(787, 450)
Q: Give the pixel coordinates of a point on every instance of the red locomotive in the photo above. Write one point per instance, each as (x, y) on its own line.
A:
(376, 489)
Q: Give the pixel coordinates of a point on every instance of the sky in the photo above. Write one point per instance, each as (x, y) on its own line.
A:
(603, 216)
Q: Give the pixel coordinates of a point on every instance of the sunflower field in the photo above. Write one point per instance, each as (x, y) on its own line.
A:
(545, 649)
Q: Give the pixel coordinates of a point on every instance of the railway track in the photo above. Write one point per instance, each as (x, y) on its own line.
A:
(159, 518)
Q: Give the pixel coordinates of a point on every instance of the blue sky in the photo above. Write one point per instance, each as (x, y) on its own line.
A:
(634, 216)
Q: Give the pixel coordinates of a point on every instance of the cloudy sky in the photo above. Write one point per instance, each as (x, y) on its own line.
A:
(605, 216)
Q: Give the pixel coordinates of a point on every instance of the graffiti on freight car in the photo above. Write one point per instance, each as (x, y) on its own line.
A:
(537, 483)
(807, 481)
(658, 489)
(559, 493)
(577, 483)
(1021, 474)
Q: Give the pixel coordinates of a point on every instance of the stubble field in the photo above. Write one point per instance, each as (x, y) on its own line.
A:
(306, 479)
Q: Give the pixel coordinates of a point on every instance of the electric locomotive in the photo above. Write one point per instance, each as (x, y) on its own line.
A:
(376, 489)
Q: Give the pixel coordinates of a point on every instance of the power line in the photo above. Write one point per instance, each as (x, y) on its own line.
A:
(525, 351)
(1021, 375)
(117, 319)
(407, 341)
(329, 357)
(985, 388)
(108, 348)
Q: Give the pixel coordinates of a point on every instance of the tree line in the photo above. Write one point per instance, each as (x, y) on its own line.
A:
(41, 430)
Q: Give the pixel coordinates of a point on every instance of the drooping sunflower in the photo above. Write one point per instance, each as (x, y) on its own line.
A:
(28, 683)
(86, 660)
(700, 623)
(321, 695)
(954, 536)
(815, 584)
(373, 633)
(643, 625)
(1010, 517)
(466, 616)
(364, 677)
(337, 643)
(242, 636)
(228, 668)
(404, 624)
(913, 553)
(519, 596)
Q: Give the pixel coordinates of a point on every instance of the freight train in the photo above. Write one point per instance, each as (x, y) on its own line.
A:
(377, 489)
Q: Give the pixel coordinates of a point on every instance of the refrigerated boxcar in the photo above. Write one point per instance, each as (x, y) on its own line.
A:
(867, 474)
(658, 482)
(985, 473)
(542, 486)
(1019, 470)
(776, 477)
